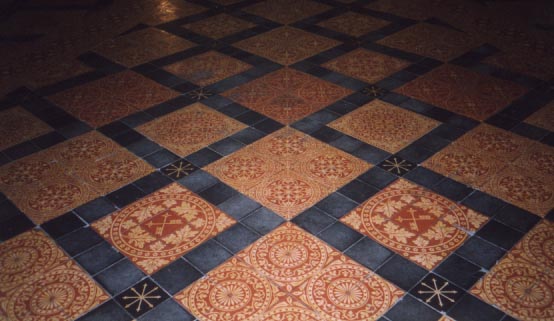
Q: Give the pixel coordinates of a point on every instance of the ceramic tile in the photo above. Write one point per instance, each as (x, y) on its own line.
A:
(79, 151)
(287, 95)
(535, 248)
(104, 100)
(286, 11)
(207, 68)
(543, 118)
(420, 225)
(384, 125)
(219, 26)
(416, 9)
(527, 62)
(365, 65)
(538, 158)
(286, 45)
(190, 129)
(129, 49)
(18, 125)
(463, 91)
(353, 24)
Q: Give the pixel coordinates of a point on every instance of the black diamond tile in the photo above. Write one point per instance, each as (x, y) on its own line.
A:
(179, 169)
(176, 276)
(480, 252)
(397, 165)
(402, 272)
(340, 236)
(469, 308)
(408, 308)
(459, 271)
(98, 258)
(263, 220)
(437, 292)
(119, 276)
(63, 225)
(207, 256)
(369, 253)
(141, 297)
(313, 220)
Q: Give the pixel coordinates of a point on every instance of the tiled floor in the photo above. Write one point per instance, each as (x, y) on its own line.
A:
(249, 160)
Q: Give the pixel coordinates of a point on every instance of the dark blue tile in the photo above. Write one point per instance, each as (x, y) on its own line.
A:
(226, 146)
(239, 206)
(369, 253)
(409, 307)
(263, 220)
(176, 276)
(397, 165)
(179, 169)
(370, 154)
(402, 272)
(517, 218)
(268, 126)
(15, 226)
(161, 158)
(377, 177)
(248, 135)
(313, 220)
(107, 311)
(95, 209)
(8, 210)
(119, 276)
(198, 181)
(152, 182)
(132, 299)
(437, 292)
(340, 236)
(326, 134)
(500, 234)
(98, 258)
(79, 241)
(424, 177)
(483, 203)
(346, 143)
(168, 310)
(358, 191)
(469, 308)
(452, 189)
(125, 195)
(460, 271)
(203, 157)
(207, 256)
(336, 205)
(218, 193)
(237, 237)
(307, 126)
(143, 147)
(62, 225)
(480, 252)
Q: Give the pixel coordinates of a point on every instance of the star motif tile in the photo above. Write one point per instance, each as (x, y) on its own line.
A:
(353, 24)
(179, 169)
(141, 297)
(159, 228)
(397, 165)
(462, 91)
(105, 100)
(219, 26)
(286, 45)
(287, 95)
(418, 224)
(543, 118)
(129, 49)
(286, 11)
(190, 129)
(365, 65)
(207, 68)
(18, 125)
(437, 292)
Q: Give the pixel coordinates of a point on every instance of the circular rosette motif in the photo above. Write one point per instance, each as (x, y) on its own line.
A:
(55, 197)
(25, 172)
(524, 189)
(84, 149)
(538, 245)
(290, 314)
(333, 167)
(107, 171)
(285, 146)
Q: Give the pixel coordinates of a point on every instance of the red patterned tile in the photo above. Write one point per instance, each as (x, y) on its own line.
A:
(353, 24)
(18, 125)
(219, 26)
(286, 11)
(539, 65)
(543, 118)
(538, 158)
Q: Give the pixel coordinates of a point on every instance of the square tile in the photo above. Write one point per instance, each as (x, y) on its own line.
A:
(190, 129)
(353, 24)
(18, 125)
(219, 26)
(420, 225)
(384, 125)
(157, 229)
(207, 68)
(538, 158)
(142, 46)
(287, 95)
(102, 101)
(286, 45)
(397, 165)
(437, 292)
(141, 298)
(528, 62)
(365, 65)
(286, 11)
(543, 118)
(462, 91)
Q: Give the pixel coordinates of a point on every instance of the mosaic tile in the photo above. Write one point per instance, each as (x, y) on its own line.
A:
(219, 26)
(353, 24)
(159, 228)
(543, 118)
(164, 11)
(286, 45)
(18, 125)
(365, 65)
(190, 129)
(130, 49)
(104, 100)
(463, 91)
(420, 225)
(286, 11)
(287, 95)
(207, 68)
(384, 125)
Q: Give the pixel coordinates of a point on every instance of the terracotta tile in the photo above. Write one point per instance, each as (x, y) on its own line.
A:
(286, 11)
(445, 318)
(18, 125)
(527, 62)
(527, 189)
(384, 125)
(290, 308)
(463, 91)
(219, 26)
(164, 11)
(287, 95)
(104, 100)
(535, 247)
(365, 65)
(190, 129)
(418, 224)
(30, 170)
(286, 145)
(130, 49)
(161, 227)
(286, 45)
(538, 158)
(544, 118)
(207, 68)
(48, 73)
(353, 24)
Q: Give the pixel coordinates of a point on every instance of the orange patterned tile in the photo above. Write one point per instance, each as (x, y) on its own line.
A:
(538, 158)
(207, 68)
(418, 224)
(286, 145)
(286, 45)
(290, 308)
(353, 24)
(130, 49)
(286, 11)
(536, 247)
(383, 125)
(544, 118)
(18, 125)
(190, 129)
(161, 227)
(219, 26)
(463, 91)
(365, 65)
(287, 95)
(104, 100)
(527, 62)
(51, 73)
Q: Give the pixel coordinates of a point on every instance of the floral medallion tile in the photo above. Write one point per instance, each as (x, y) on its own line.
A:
(286, 145)
(536, 247)
(104, 100)
(290, 308)
(18, 125)
(543, 118)
(167, 10)
(159, 228)
(462, 91)
(353, 24)
(418, 224)
(219, 26)
(51, 73)
(190, 129)
(207, 68)
(287, 95)
(286, 11)
(365, 65)
(286, 45)
(538, 158)
(384, 125)
(130, 49)
(431, 41)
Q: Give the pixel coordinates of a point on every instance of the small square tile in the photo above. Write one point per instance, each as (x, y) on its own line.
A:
(62, 225)
(237, 238)
(208, 255)
(397, 165)
(176, 276)
(218, 193)
(219, 26)
(179, 169)
(500, 234)
(369, 253)
(480, 252)
(18, 125)
(353, 24)
(409, 307)
(107, 311)
(340, 236)
(437, 292)
(286, 11)
(336, 205)
(469, 308)
(377, 177)
(141, 297)
(79, 241)
(239, 206)
(125, 195)
(358, 191)
(119, 276)
(459, 271)
(98, 258)
(263, 221)
(313, 220)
